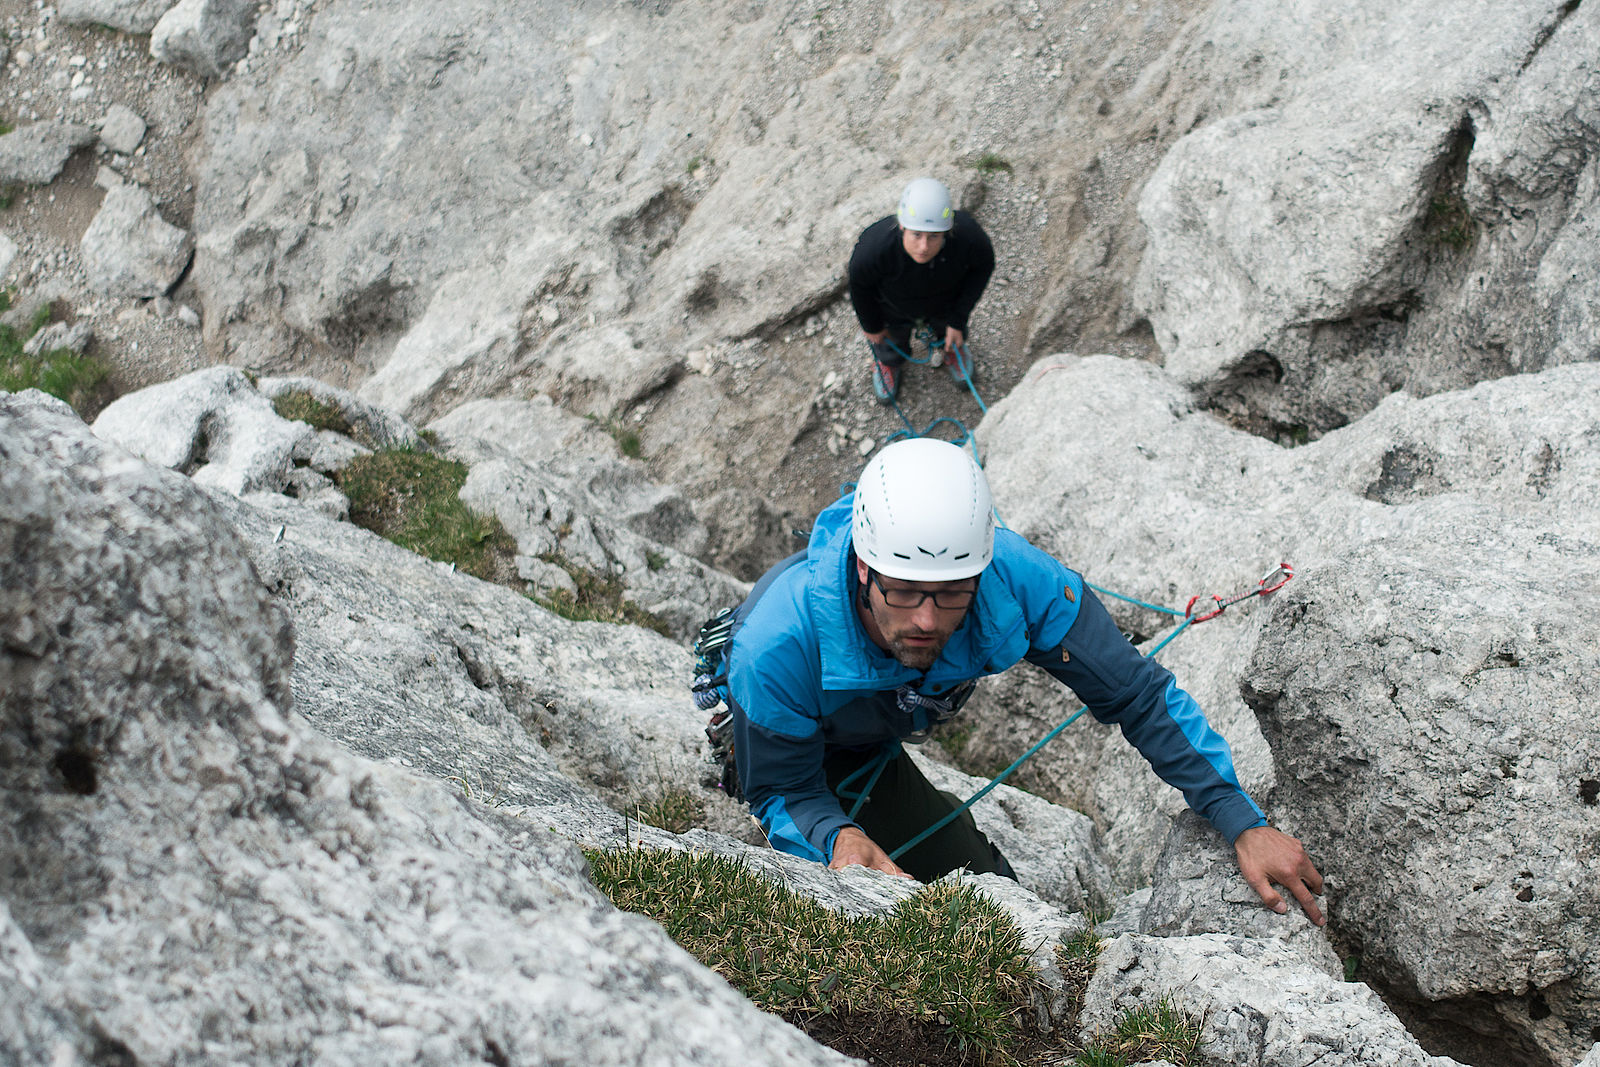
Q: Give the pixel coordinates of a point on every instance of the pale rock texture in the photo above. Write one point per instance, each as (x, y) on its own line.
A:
(1401, 198)
(122, 129)
(191, 873)
(212, 425)
(1418, 678)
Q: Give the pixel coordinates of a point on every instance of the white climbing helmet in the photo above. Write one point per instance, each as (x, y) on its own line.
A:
(925, 206)
(923, 513)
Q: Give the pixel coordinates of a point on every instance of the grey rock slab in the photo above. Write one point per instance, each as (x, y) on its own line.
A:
(402, 659)
(36, 153)
(603, 516)
(121, 130)
(1259, 1002)
(205, 37)
(212, 425)
(129, 250)
(8, 254)
(1438, 750)
(1198, 890)
(195, 873)
(129, 16)
(584, 459)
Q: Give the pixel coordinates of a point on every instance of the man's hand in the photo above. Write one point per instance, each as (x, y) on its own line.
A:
(876, 338)
(953, 338)
(852, 847)
(1267, 856)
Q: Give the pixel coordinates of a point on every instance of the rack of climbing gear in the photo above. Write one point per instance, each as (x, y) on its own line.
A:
(710, 689)
(1270, 582)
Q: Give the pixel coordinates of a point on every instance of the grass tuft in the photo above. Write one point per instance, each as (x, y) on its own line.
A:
(949, 962)
(599, 599)
(627, 440)
(991, 163)
(300, 406)
(675, 811)
(411, 499)
(1156, 1031)
(1450, 222)
(78, 379)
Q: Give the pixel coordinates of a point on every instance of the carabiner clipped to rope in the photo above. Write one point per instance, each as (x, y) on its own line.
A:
(1270, 582)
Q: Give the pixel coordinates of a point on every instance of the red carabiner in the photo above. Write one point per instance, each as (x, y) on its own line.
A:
(1284, 569)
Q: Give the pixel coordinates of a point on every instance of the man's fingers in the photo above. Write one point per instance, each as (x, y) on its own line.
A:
(1268, 895)
(1312, 876)
(1303, 895)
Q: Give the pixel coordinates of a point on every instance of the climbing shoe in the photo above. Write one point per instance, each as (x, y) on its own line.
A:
(885, 381)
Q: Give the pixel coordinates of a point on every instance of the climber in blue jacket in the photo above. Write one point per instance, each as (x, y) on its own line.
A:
(877, 632)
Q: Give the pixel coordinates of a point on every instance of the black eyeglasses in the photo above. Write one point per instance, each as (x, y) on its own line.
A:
(943, 599)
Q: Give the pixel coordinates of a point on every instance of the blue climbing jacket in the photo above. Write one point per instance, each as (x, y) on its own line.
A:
(804, 679)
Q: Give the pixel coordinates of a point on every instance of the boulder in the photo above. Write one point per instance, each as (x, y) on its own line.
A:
(1418, 679)
(205, 37)
(121, 130)
(129, 250)
(211, 425)
(129, 16)
(1368, 220)
(36, 153)
(74, 338)
(1257, 1002)
(190, 872)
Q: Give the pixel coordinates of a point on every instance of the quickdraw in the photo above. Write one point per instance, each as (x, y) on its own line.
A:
(1270, 582)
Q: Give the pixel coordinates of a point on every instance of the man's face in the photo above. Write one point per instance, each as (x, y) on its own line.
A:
(921, 245)
(914, 636)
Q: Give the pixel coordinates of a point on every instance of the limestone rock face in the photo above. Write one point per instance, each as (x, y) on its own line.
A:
(1262, 1003)
(190, 872)
(212, 425)
(1421, 680)
(1401, 208)
(204, 36)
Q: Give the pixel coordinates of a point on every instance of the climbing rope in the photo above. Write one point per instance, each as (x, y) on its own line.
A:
(1270, 582)
(935, 357)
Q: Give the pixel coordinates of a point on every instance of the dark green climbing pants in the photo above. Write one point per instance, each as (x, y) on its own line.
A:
(901, 805)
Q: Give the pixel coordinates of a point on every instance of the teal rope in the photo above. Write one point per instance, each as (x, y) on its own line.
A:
(1130, 600)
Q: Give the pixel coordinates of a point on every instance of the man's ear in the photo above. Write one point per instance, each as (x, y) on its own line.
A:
(861, 571)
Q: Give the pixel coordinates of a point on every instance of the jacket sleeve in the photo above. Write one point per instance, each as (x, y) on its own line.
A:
(1158, 718)
(786, 786)
(778, 743)
(866, 280)
(980, 268)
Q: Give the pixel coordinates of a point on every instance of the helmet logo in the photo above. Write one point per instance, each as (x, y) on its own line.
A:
(932, 555)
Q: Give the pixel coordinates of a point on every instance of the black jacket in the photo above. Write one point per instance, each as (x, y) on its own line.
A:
(888, 286)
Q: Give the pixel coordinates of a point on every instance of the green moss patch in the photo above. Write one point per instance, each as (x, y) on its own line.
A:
(411, 499)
